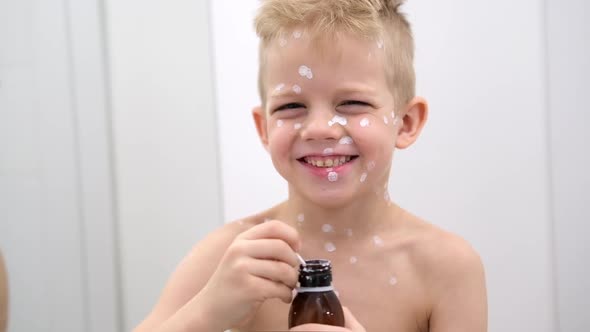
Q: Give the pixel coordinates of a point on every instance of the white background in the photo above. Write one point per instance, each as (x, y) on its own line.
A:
(123, 141)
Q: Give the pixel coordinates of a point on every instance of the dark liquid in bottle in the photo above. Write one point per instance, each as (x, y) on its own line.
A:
(316, 301)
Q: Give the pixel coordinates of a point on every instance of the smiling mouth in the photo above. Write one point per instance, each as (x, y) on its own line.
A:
(327, 161)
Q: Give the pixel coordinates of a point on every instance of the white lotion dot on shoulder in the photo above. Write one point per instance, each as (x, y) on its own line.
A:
(330, 247)
(365, 122)
(327, 228)
(296, 89)
(328, 151)
(353, 260)
(393, 281)
(332, 176)
(346, 140)
(377, 241)
(297, 126)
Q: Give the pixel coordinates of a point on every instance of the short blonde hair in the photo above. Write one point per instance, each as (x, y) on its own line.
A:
(379, 20)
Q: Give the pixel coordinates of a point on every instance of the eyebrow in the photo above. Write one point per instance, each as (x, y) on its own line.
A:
(343, 90)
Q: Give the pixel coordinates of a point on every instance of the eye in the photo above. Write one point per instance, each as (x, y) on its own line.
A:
(289, 106)
(355, 103)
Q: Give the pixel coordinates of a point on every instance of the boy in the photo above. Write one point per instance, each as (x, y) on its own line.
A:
(336, 83)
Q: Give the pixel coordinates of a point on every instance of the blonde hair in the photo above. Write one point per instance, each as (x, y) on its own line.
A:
(374, 19)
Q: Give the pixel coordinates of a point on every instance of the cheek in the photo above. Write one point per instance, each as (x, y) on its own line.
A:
(280, 134)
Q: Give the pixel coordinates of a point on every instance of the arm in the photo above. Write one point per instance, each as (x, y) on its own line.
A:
(3, 296)
(461, 301)
(226, 277)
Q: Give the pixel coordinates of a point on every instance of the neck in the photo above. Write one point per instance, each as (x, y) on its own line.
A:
(365, 216)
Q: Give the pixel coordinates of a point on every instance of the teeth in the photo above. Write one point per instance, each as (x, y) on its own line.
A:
(327, 162)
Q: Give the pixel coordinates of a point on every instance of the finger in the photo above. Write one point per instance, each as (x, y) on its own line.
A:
(271, 249)
(350, 321)
(275, 271)
(273, 289)
(273, 229)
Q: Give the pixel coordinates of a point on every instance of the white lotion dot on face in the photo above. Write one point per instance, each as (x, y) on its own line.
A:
(328, 152)
(297, 126)
(297, 34)
(346, 140)
(327, 228)
(280, 123)
(330, 247)
(282, 42)
(305, 71)
(371, 165)
(338, 119)
(300, 217)
(393, 281)
(296, 89)
(279, 87)
(364, 177)
(332, 176)
(377, 241)
(365, 122)
(385, 120)
(353, 260)
(380, 43)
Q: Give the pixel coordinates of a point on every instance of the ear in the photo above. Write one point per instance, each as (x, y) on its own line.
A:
(414, 118)
(259, 117)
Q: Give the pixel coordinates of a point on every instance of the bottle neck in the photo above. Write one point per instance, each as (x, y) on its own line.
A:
(315, 274)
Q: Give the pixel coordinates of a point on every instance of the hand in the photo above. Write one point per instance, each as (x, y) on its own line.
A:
(260, 264)
(351, 325)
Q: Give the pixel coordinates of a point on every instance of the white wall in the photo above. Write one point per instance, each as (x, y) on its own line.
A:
(568, 32)
(166, 155)
(483, 167)
(55, 199)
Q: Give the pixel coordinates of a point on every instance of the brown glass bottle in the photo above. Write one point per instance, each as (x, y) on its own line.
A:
(316, 301)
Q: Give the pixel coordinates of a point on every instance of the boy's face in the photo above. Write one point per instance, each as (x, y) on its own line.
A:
(329, 121)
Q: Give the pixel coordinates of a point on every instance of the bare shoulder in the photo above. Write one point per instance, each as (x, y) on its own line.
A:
(438, 251)
(195, 269)
(452, 272)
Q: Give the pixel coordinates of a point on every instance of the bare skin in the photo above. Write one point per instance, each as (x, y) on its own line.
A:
(3, 296)
(439, 279)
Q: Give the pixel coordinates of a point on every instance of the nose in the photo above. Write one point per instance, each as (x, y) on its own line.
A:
(319, 125)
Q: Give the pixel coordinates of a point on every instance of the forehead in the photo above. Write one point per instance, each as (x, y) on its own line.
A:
(344, 58)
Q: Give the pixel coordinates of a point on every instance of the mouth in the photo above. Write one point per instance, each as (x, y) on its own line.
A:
(327, 161)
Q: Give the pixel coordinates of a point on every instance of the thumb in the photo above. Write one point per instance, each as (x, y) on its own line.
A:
(350, 321)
